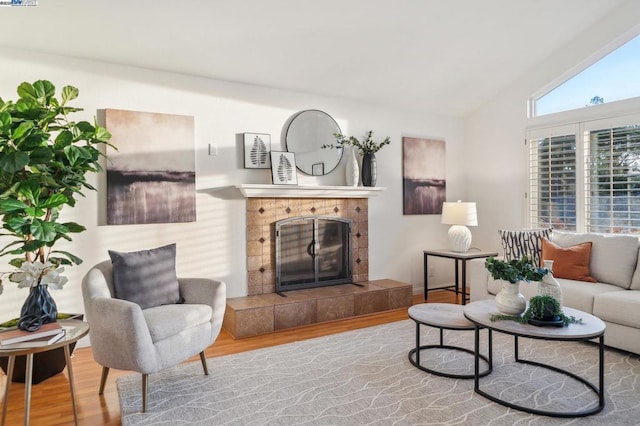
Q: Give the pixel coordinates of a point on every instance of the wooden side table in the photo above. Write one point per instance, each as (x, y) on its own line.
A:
(459, 258)
(75, 330)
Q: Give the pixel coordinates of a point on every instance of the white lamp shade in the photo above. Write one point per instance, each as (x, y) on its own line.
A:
(459, 214)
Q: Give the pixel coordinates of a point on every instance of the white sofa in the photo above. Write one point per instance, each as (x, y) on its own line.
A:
(614, 298)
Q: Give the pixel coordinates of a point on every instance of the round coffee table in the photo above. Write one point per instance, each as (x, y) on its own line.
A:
(591, 328)
(443, 316)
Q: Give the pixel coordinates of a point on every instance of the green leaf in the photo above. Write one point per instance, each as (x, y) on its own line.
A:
(32, 245)
(14, 161)
(17, 263)
(5, 119)
(68, 93)
(26, 90)
(73, 153)
(74, 227)
(44, 90)
(43, 231)
(41, 156)
(16, 224)
(22, 129)
(101, 134)
(63, 139)
(85, 127)
(73, 258)
(54, 201)
(31, 191)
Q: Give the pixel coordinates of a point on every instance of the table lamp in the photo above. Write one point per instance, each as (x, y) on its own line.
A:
(459, 215)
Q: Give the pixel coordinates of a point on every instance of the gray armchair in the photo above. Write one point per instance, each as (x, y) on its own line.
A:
(126, 337)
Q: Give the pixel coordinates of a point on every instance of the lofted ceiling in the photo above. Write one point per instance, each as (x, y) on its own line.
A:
(436, 56)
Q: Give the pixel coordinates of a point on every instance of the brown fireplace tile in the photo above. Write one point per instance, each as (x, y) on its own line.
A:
(252, 322)
(294, 314)
(254, 278)
(335, 308)
(363, 254)
(370, 302)
(254, 248)
(253, 204)
(400, 297)
(254, 218)
(254, 232)
(254, 290)
(254, 263)
(268, 262)
(269, 204)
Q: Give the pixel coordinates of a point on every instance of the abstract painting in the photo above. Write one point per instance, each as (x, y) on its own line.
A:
(283, 168)
(151, 174)
(423, 175)
(256, 150)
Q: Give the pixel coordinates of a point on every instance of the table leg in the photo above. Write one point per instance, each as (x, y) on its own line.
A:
(601, 372)
(476, 359)
(417, 343)
(426, 277)
(464, 281)
(67, 356)
(27, 388)
(457, 276)
(12, 361)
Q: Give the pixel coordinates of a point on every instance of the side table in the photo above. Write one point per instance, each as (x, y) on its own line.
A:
(75, 330)
(458, 258)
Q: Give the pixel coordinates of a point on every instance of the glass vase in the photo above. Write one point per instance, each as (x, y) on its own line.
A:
(549, 286)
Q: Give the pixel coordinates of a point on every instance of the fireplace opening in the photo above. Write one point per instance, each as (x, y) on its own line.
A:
(313, 251)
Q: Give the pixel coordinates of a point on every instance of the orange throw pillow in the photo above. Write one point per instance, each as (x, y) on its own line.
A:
(571, 262)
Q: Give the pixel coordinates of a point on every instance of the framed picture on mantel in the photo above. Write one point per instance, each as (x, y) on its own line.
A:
(283, 168)
(256, 150)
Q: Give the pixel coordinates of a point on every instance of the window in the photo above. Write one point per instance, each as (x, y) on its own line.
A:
(612, 78)
(586, 176)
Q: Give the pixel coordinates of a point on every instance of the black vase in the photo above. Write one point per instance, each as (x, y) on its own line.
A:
(369, 170)
(39, 308)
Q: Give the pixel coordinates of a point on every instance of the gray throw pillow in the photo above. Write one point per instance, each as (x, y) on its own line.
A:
(146, 277)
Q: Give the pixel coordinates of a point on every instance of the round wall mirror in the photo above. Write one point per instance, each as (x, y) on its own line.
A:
(307, 132)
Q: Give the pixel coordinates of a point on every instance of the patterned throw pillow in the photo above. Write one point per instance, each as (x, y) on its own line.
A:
(516, 244)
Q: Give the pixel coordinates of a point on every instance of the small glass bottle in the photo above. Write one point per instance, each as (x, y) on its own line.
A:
(549, 286)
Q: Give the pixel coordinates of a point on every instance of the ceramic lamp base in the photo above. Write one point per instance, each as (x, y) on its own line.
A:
(459, 238)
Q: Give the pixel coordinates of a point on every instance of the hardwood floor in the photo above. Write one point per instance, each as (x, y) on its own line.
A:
(50, 400)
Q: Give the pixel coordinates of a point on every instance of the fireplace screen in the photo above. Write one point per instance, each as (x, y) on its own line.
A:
(312, 251)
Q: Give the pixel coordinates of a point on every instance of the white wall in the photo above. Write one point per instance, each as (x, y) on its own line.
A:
(496, 157)
(214, 246)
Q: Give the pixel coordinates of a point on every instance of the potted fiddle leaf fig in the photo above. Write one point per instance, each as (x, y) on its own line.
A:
(45, 156)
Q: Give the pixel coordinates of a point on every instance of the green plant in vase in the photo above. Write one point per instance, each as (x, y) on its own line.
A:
(367, 148)
(542, 310)
(44, 159)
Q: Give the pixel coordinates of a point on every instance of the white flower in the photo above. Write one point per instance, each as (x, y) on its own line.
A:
(53, 279)
(34, 273)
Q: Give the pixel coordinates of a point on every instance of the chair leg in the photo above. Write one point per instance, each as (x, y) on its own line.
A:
(203, 359)
(145, 387)
(103, 380)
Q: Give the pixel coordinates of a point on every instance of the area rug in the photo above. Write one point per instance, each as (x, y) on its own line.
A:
(363, 377)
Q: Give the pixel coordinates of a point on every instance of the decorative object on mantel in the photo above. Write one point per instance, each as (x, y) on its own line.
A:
(459, 215)
(306, 132)
(151, 178)
(283, 168)
(256, 150)
(367, 148)
(509, 300)
(352, 170)
(39, 175)
(423, 175)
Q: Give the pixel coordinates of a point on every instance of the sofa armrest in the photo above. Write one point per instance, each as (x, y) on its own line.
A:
(479, 280)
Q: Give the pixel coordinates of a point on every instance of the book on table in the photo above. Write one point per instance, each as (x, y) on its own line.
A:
(36, 343)
(16, 336)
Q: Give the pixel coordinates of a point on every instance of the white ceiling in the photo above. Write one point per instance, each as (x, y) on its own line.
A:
(437, 56)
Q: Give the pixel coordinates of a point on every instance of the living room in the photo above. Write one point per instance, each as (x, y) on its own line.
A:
(482, 121)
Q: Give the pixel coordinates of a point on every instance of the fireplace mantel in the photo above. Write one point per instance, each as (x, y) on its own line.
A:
(300, 191)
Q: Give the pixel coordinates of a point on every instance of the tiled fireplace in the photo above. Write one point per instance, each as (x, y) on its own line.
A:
(264, 311)
(262, 214)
